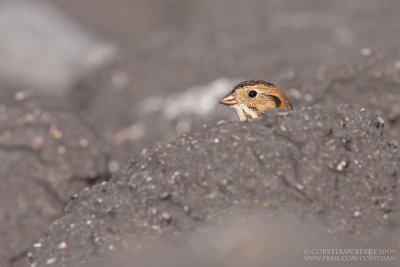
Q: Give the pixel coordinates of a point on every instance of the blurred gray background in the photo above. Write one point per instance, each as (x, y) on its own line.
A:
(126, 65)
(172, 46)
(116, 76)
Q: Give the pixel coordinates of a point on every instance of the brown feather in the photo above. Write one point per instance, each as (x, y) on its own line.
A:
(268, 96)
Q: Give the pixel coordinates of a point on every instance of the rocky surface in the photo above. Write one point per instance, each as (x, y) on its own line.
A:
(331, 164)
(46, 156)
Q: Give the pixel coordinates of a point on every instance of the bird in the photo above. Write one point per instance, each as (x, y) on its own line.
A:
(251, 99)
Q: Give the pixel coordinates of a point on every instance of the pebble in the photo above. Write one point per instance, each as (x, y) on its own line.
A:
(51, 260)
(357, 213)
(21, 95)
(62, 245)
(84, 142)
(299, 186)
(37, 142)
(164, 195)
(165, 216)
(156, 227)
(342, 164)
(55, 132)
(365, 52)
(380, 123)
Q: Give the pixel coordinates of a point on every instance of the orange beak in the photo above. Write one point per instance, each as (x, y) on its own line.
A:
(229, 100)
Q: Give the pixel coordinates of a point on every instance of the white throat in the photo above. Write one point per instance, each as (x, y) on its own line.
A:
(244, 113)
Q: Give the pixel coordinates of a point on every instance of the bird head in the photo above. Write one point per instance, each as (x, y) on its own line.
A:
(251, 99)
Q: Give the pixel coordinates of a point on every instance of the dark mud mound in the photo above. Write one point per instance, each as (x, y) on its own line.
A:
(330, 164)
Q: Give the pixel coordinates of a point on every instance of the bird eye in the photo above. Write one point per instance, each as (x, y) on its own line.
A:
(252, 93)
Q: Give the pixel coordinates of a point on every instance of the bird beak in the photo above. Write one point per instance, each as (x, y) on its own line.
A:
(229, 100)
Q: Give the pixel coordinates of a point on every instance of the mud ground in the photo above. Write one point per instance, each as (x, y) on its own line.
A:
(319, 53)
(332, 166)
